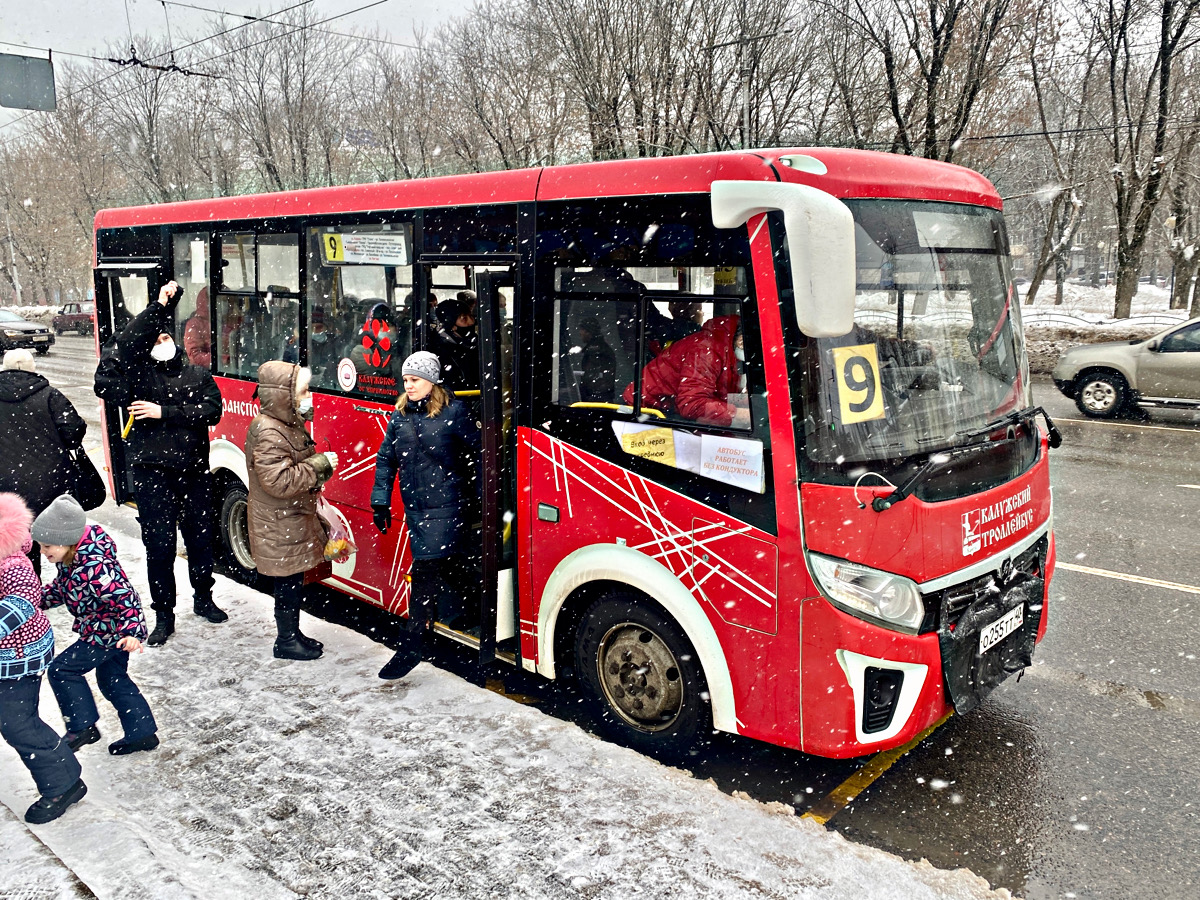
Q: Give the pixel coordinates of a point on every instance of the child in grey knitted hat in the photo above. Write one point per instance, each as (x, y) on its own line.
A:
(108, 617)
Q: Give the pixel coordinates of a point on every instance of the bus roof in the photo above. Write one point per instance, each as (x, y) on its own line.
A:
(850, 174)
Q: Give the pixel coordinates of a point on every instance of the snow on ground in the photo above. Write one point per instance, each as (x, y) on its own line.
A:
(279, 779)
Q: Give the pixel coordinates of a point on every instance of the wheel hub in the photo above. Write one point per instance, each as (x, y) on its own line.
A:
(1098, 396)
(239, 534)
(640, 677)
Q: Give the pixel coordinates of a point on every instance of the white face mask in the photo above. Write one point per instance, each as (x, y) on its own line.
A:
(164, 352)
(739, 354)
(305, 407)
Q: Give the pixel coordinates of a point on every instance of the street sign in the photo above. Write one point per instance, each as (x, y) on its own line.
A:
(26, 82)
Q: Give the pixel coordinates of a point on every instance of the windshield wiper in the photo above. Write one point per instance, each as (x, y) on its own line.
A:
(879, 504)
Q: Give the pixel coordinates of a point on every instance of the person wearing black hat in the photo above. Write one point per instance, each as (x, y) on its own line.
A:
(173, 403)
(457, 345)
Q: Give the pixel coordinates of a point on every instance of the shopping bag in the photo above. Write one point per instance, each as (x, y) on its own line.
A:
(86, 484)
(338, 542)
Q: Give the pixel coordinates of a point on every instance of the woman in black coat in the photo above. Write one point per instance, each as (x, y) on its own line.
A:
(430, 441)
(38, 429)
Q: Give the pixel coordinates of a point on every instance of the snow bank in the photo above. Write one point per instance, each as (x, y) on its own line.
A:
(284, 779)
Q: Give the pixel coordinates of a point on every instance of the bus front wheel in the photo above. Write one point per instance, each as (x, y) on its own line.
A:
(235, 532)
(641, 677)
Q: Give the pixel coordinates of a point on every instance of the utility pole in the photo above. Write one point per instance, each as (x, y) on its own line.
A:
(12, 256)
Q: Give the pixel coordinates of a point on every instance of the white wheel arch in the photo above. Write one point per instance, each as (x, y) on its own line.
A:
(223, 454)
(614, 562)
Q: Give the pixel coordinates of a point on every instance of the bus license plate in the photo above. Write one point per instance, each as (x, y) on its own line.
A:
(1000, 629)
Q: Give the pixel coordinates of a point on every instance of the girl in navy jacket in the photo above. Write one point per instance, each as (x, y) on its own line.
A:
(431, 440)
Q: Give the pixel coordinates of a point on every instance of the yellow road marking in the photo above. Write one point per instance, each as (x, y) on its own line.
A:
(1135, 579)
(1122, 425)
(844, 793)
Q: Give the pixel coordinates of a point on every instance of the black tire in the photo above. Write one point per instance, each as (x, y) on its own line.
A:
(58, 331)
(42, 349)
(235, 533)
(1101, 394)
(82, 329)
(641, 677)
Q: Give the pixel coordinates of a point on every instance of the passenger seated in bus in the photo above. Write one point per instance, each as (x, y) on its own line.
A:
(291, 348)
(695, 377)
(457, 345)
(322, 346)
(594, 364)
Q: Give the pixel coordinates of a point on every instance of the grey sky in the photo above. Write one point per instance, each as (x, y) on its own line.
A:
(91, 26)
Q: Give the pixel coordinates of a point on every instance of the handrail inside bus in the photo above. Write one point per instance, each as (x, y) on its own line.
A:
(619, 407)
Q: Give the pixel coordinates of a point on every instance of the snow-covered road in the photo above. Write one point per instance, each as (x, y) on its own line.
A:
(282, 779)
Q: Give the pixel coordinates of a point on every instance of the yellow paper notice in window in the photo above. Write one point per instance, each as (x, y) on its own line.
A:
(860, 395)
(657, 444)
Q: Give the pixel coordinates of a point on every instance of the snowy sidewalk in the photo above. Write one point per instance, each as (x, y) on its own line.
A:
(284, 779)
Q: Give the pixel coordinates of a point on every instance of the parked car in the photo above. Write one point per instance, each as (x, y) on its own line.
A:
(78, 317)
(1164, 370)
(17, 332)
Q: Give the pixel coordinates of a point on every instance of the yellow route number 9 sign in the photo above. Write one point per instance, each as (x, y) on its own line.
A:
(332, 245)
(860, 396)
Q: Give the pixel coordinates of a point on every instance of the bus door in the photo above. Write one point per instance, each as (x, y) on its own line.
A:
(122, 291)
(494, 536)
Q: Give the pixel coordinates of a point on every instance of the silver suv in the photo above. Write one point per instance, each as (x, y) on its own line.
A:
(1164, 370)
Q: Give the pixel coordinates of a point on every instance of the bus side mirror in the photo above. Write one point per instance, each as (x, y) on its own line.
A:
(820, 240)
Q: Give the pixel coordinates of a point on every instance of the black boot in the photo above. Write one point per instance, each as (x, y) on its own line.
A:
(48, 809)
(164, 627)
(405, 659)
(308, 641)
(206, 609)
(288, 644)
(125, 746)
(77, 739)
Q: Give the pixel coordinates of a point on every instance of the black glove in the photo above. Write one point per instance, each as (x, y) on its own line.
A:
(383, 518)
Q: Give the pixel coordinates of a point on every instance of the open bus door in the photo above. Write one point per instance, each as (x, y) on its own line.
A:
(492, 404)
(122, 291)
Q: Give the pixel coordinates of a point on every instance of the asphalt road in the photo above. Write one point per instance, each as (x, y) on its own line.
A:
(1083, 779)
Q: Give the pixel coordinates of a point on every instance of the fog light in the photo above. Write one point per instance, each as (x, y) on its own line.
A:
(881, 690)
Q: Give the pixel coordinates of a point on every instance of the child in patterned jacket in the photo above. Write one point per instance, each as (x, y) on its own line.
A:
(26, 648)
(110, 624)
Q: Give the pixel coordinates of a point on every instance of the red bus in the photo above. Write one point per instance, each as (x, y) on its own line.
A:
(825, 537)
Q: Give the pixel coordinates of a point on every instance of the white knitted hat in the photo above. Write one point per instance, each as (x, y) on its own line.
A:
(425, 365)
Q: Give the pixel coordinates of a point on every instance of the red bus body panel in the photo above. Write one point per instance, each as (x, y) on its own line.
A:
(779, 637)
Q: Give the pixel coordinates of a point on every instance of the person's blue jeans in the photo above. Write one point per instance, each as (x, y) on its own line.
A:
(45, 754)
(112, 676)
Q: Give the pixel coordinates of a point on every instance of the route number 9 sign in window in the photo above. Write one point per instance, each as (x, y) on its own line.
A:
(860, 397)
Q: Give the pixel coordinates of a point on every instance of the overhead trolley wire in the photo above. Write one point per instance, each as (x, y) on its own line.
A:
(111, 75)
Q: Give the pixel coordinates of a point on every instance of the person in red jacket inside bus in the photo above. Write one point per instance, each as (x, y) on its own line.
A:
(695, 376)
(197, 334)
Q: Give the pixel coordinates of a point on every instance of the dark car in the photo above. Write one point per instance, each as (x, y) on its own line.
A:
(16, 332)
(76, 317)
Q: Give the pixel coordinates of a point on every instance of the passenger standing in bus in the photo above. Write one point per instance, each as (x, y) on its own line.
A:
(457, 345)
(286, 473)
(173, 404)
(430, 442)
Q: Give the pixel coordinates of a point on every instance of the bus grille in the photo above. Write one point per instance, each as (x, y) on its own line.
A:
(949, 605)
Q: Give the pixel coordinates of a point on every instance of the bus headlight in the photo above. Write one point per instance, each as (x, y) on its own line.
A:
(860, 590)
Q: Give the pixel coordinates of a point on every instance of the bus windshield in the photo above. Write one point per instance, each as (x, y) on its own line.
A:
(936, 350)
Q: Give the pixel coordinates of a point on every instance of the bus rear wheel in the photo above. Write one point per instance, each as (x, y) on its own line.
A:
(641, 677)
(235, 532)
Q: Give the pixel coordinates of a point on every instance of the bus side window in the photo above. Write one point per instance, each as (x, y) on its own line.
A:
(254, 329)
(593, 359)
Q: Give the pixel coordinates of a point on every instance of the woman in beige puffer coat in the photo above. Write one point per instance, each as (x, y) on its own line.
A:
(287, 537)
